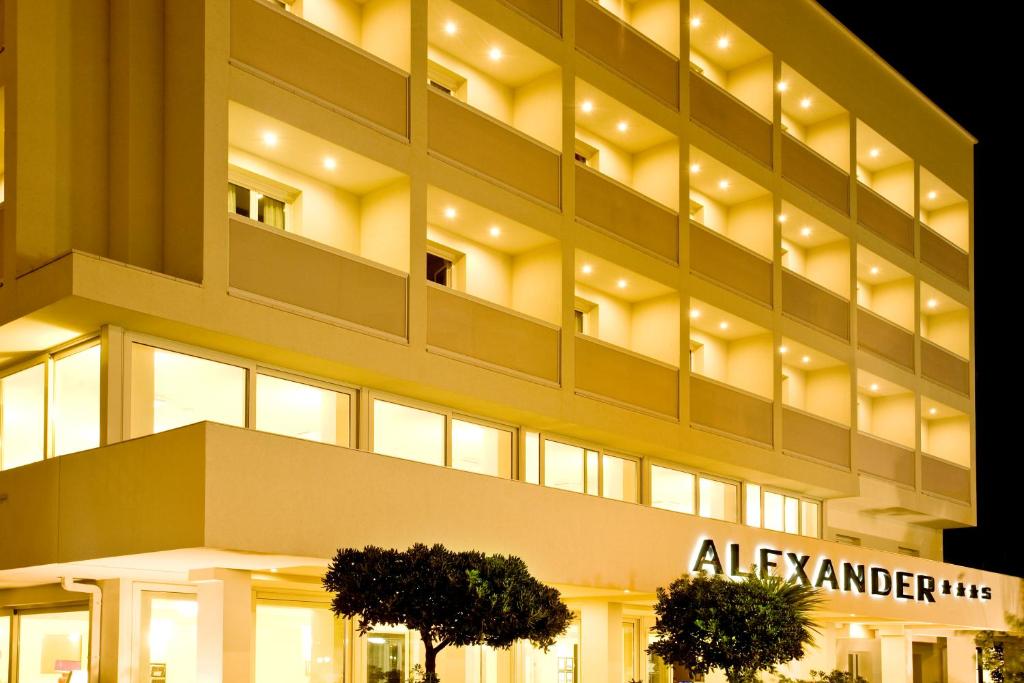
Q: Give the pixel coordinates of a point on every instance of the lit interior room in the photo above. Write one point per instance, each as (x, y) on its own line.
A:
(381, 27)
(723, 54)
(681, 491)
(625, 309)
(814, 119)
(725, 202)
(619, 143)
(884, 289)
(815, 251)
(815, 383)
(886, 410)
(657, 20)
(580, 467)
(477, 64)
(944, 211)
(729, 350)
(885, 169)
(945, 432)
(283, 178)
(945, 322)
(475, 250)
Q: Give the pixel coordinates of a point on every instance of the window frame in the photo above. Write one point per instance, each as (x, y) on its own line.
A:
(729, 482)
(258, 184)
(601, 451)
(801, 499)
(318, 383)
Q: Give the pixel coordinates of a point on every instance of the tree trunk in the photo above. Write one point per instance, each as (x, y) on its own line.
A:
(429, 662)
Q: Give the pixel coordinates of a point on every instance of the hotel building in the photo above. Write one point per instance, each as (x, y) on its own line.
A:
(451, 297)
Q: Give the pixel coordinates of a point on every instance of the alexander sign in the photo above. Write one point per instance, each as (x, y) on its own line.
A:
(822, 572)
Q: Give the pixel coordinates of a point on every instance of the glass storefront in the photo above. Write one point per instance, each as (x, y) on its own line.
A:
(298, 643)
(53, 646)
(168, 644)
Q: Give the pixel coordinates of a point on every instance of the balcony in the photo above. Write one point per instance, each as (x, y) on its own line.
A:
(878, 335)
(613, 42)
(945, 257)
(547, 13)
(885, 219)
(945, 229)
(885, 459)
(945, 340)
(730, 119)
(730, 411)
(945, 479)
(625, 377)
(804, 167)
(284, 47)
(886, 302)
(730, 264)
(811, 436)
(275, 266)
(466, 326)
(943, 367)
(812, 304)
(468, 138)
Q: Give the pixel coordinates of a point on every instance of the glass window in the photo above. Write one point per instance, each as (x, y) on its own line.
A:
(621, 478)
(5, 649)
(477, 448)
(247, 202)
(270, 211)
(809, 518)
(169, 637)
(559, 664)
(672, 489)
(792, 515)
(76, 401)
(563, 466)
(409, 433)
(532, 457)
(628, 651)
(239, 200)
(386, 660)
(303, 411)
(718, 499)
(298, 643)
(774, 512)
(439, 269)
(52, 645)
(593, 472)
(22, 430)
(172, 390)
(657, 670)
(753, 504)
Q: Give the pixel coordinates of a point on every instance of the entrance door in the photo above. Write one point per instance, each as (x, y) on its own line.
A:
(167, 651)
(53, 646)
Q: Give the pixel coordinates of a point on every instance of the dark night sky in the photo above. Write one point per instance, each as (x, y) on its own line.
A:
(946, 50)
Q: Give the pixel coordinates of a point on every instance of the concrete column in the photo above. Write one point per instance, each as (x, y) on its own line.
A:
(897, 665)
(961, 659)
(224, 625)
(601, 642)
(116, 631)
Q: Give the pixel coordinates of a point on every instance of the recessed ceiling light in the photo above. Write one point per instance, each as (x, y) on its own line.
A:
(623, 126)
(805, 103)
(330, 164)
(694, 168)
(874, 152)
(933, 194)
(495, 54)
(621, 284)
(933, 411)
(806, 231)
(874, 270)
(783, 218)
(874, 386)
(495, 231)
(783, 349)
(933, 303)
(450, 212)
(587, 269)
(587, 106)
(724, 325)
(451, 28)
(695, 22)
(783, 86)
(694, 313)
(723, 184)
(270, 139)
(805, 359)
(724, 43)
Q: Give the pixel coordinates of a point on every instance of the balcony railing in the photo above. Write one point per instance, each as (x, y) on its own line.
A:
(945, 257)
(732, 265)
(885, 219)
(730, 411)
(481, 144)
(614, 373)
(946, 479)
(729, 118)
(619, 46)
(803, 166)
(811, 303)
(815, 437)
(606, 204)
(466, 326)
(296, 52)
(292, 270)
(945, 367)
(547, 13)
(885, 459)
(884, 338)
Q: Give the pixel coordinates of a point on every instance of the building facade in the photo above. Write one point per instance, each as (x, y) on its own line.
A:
(448, 300)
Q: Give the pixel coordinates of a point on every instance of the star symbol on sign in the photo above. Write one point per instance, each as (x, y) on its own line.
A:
(947, 587)
(961, 590)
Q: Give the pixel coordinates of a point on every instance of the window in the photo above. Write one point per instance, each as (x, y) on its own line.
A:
(564, 466)
(910, 552)
(5, 651)
(52, 644)
(168, 649)
(781, 512)
(298, 641)
(439, 269)
(809, 518)
(585, 315)
(387, 654)
(302, 410)
(718, 499)
(265, 208)
(482, 449)
(76, 401)
(696, 357)
(410, 433)
(446, 81)
(629, 631)
(753, 505)
(672, 489)
(22, 417)
(558, 664)
(531, 457)
(170, 390)
(620, 478)
(586, 154)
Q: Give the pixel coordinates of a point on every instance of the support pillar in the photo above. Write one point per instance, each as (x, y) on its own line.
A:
(961, 659)
(601, 642)
(225, 624)
(897, 665)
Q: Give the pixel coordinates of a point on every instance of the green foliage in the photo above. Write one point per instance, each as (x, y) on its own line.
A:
(742, 627)
(450, 598)
(1002, 652)
(834, 676)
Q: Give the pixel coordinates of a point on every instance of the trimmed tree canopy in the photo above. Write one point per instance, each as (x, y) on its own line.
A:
(742, 627)
(450, 598)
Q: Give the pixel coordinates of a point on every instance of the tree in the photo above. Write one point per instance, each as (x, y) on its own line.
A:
(742, 627)
(1002, 652)
(450, 598)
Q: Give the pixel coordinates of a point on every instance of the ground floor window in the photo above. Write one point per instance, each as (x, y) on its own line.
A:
(168, 644)
(22, 417)
(561, 662)
(303, 410)
(298, 641)
(53, 646)
(387, 655)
